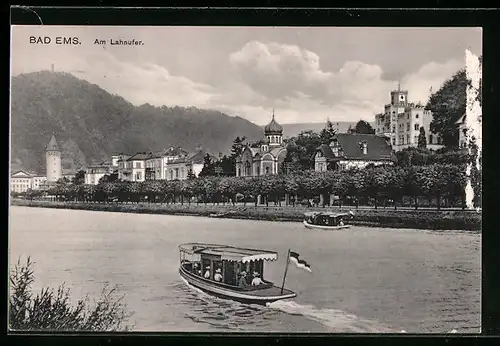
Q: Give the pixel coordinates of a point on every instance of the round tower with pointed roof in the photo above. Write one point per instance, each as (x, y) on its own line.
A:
(274, 132)
(53, 160)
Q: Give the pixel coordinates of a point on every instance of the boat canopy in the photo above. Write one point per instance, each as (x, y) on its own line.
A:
(229, 253)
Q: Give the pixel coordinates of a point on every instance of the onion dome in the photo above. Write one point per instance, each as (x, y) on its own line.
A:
(273, 128)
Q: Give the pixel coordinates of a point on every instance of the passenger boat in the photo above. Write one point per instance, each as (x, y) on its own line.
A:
(221, 270)
(327, 220)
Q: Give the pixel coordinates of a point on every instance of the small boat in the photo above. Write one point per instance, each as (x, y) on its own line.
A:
(327, 220)
(221, 214)
(221, 270)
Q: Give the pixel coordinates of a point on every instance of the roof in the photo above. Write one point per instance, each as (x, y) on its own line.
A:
(229, 253)
(21, 174)
(175, 151)
(462, 119)
(138, 157)
(273, 127)
(52, 146)
(377, 147)
(197, 158)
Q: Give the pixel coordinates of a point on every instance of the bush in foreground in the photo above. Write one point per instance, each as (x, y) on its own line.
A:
(51, 310)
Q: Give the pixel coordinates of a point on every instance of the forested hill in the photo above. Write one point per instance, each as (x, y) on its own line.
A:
(90, 123)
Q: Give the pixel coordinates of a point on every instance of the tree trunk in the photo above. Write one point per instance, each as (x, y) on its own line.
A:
(438, 201)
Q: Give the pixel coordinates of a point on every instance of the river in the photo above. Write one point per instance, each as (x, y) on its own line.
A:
(362, 280)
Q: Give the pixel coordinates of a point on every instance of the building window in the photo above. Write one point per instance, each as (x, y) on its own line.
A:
(137, 165)
(394, 141)
(393, 128)
(408, 127)
(430, 139)
(416, 116)
(138, 176)
(416, 139)
(258, 170)
(247, 168)
(417, 127)
(267, 170)
(408, 116)
(402, 140)
(407, 139)
(177, 173)
(171, 174)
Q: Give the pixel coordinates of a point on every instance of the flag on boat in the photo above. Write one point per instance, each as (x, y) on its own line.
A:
(294, 257)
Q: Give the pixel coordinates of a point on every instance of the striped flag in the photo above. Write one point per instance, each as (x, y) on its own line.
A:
(294, 257)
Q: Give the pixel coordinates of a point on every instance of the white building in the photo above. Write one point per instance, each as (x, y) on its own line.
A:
(402, 120)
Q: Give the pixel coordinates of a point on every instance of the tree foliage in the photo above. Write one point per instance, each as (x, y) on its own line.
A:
(447, 106)
(422, 139)
(52, 310)
(363, 127)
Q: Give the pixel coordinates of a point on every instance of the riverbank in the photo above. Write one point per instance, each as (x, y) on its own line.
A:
(416, 219)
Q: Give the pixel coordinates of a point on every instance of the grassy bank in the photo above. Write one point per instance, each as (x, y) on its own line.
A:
(418, 219)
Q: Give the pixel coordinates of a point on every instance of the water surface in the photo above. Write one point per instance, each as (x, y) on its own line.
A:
(362, 280)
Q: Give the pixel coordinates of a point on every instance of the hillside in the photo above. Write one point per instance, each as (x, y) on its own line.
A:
(90, 123)
(290, 130)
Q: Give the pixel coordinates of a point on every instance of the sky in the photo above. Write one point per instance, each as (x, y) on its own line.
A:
(307, 74)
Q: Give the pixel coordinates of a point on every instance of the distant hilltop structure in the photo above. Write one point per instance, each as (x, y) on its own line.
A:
(401, 122)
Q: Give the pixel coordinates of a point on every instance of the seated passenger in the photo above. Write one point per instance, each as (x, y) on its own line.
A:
(218, 275)
(243, 279)
(256, 279)
(207, 273)
(196, 269)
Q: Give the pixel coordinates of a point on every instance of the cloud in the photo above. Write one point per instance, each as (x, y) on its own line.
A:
(257, 77)
(292, 78)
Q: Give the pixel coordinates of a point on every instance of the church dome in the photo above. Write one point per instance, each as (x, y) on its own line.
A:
(273, 127)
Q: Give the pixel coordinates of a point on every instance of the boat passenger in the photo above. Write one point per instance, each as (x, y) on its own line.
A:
(243, 279)
(218, 275)
(207, 273)
(256, 279)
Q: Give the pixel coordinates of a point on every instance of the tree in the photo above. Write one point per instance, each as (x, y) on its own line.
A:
(53, 310)
(79, 177)
(447, 106)
(237, 147)
(301, 149)
(363, 127)
(422, 140)
(208, 166)
(327, 133)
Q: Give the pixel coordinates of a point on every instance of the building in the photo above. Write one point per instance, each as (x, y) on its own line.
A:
(264, 157)
(347, 151)
(95, 172)
(464, 132)
(133, 167)
(53, 161)
(402, 120)
(22, 181)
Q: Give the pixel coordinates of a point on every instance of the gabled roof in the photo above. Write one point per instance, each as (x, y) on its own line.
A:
(21, 174)
(377, 148)
(52, 146)
(462, 119)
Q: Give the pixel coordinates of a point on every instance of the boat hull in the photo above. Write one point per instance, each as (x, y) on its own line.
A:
(261, 297)
(325, 228)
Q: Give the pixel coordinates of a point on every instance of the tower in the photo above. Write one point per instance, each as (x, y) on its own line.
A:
(274, 133)
(53, 160)
(399, 97)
